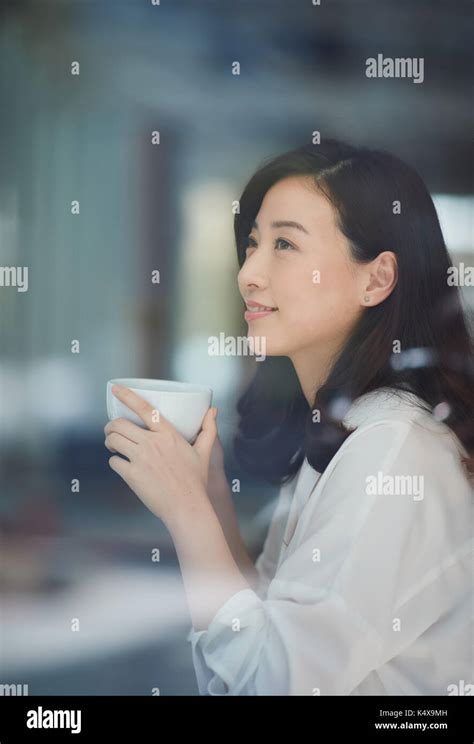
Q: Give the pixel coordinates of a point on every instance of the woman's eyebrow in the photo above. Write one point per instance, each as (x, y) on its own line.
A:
(284, 223)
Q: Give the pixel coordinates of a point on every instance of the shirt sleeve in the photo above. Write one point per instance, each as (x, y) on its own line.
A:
(360, 580)
(267, 562)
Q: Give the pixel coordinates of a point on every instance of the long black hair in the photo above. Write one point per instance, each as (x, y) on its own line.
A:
(423, 312)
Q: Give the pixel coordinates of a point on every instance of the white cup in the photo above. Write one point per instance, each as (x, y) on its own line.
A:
(183, 404)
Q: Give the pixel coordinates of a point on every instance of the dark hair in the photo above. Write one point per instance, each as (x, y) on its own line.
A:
(423, 311)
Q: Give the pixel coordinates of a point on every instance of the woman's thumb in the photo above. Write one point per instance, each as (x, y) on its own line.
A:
(205, 440)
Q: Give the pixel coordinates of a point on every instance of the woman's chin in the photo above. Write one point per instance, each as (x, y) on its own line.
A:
(264, 346)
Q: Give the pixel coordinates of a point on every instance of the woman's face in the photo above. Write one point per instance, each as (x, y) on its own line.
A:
(305, 272)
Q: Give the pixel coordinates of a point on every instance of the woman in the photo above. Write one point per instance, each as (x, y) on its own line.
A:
(363, 412)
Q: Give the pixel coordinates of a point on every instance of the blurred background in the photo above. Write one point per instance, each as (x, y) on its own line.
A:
(146, 206)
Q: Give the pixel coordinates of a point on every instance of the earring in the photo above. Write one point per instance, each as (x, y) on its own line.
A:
(366, 298)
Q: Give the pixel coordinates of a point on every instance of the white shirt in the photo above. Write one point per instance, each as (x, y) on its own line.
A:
(365, 576)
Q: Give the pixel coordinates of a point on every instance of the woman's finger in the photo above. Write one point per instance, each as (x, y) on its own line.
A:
(126, 428)
(117, 443)
(150, 416)
(122, 467)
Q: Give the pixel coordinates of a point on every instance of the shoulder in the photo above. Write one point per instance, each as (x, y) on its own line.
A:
(392, 511)
(403, 429)
(400, 464)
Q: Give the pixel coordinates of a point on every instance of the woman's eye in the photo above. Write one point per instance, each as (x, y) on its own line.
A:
(251, 243)
(280, 240)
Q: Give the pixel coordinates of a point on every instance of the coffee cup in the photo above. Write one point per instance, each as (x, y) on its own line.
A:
(184, 404)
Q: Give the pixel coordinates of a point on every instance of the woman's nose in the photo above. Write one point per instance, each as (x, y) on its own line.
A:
(254, 271)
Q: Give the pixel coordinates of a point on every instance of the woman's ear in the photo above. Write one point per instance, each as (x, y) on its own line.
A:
(379, 277)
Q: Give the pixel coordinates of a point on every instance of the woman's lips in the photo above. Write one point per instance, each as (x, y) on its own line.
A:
(253, 315)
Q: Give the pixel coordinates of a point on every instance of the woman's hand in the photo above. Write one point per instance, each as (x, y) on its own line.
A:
(217, 478)
(167, 473)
